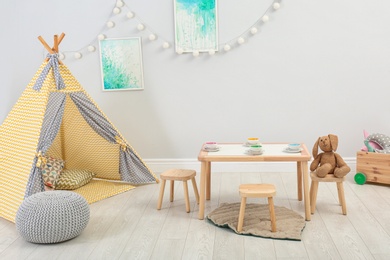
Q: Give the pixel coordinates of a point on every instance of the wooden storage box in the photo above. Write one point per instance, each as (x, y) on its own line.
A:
(375, 166)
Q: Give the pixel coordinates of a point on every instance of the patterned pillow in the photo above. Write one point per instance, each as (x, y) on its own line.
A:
(73, 179)
(382, 140)
(51, 170)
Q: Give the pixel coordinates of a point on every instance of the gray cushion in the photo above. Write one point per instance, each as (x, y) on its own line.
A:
(52, 216)
(382, 140)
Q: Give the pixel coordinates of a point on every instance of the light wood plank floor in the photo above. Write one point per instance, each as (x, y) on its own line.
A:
(128, 226)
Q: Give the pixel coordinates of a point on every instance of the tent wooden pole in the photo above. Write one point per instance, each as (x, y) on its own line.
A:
(45, 44)
(60, 38)
(58, 43)
(55, 47)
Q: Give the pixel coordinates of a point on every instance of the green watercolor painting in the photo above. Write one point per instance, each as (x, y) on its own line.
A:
(196, 25)
(121, 63)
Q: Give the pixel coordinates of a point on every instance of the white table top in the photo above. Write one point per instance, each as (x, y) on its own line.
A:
(235, 149)
(236, 152)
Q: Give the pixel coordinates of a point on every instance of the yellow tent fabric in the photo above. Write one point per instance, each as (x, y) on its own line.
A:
(76, 143)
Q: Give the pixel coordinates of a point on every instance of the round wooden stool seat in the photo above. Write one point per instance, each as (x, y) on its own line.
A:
(328, 178)
(178, 175)
(257, 191)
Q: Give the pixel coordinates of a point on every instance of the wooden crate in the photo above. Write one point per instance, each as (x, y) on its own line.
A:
(376, 166)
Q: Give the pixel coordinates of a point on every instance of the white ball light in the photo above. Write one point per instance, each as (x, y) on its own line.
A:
(91, 48)
(211, 52)
(119, 3)
(101, 37)
(62, 56)
(276, 6)
(152, 37)
(110, 24)
(166, 45)
(265, 18)
(77, 55)
(179, 51)
(227, 47)
(253, 30)
(195, 53)
(140, 27)
(130, 15)
(240, 40)
(116, 10)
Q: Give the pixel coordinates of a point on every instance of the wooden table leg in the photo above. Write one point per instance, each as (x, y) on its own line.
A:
(299, 180)
(208, 180)
(203, 173)
(305, 174)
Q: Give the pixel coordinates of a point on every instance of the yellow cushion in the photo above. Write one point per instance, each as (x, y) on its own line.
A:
(73, 178)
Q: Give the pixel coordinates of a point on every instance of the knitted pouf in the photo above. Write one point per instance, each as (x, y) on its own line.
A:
(52, 216)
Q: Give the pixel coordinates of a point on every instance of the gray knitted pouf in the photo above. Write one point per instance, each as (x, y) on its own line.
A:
(52, 216)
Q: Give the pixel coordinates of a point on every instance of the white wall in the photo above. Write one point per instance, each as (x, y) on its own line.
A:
(316, 67)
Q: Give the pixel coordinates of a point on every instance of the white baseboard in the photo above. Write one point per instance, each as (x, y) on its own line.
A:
(160, 165)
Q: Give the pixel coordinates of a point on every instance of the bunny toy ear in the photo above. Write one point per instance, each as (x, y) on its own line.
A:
(315, 148)
(334, 141)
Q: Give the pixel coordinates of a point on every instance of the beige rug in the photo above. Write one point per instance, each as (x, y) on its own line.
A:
(289, 224)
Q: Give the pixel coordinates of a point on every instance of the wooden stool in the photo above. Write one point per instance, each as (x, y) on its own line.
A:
(328, 178)
(257, 191)
(178, 175)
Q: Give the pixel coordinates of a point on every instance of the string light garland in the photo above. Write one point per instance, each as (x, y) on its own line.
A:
(110, 24)
(91, 48)
(166, 44)
(116, 10)
(78, 55)
(119, 3)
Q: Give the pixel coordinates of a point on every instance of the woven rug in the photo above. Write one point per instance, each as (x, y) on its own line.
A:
(97, 190)
(289, 224)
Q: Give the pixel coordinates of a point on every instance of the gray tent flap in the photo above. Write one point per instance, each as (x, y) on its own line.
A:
(52, 120)
(50, 127)
(131, 168)
(52, 64)
(94, 118)
(35, 180)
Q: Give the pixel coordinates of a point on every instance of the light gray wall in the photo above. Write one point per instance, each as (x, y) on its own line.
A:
(316, 67)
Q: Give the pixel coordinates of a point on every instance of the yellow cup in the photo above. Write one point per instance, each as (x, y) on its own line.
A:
(253, 140)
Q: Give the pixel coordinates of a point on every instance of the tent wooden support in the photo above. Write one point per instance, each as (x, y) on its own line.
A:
(54, 49)
(57, 41)
(45, 45)
(60, 38)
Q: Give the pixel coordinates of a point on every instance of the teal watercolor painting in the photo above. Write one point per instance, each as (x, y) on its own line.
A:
(121, 63)
(196, 25)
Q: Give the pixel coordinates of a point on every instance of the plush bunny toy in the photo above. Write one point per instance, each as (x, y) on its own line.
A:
(328, 162)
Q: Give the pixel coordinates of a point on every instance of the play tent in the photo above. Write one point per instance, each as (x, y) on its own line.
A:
(55, 116)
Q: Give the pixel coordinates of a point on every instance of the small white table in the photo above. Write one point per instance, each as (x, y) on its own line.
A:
(236, 152)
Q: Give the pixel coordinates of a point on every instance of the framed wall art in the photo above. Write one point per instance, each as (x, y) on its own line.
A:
(121, 64)
(196, 25)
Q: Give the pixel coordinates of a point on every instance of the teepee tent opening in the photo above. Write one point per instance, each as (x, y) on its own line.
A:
(56, 117)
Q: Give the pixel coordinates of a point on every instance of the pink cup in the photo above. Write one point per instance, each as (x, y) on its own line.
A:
(211, 145)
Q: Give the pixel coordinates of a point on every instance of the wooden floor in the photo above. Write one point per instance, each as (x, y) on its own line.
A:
(128, 226)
